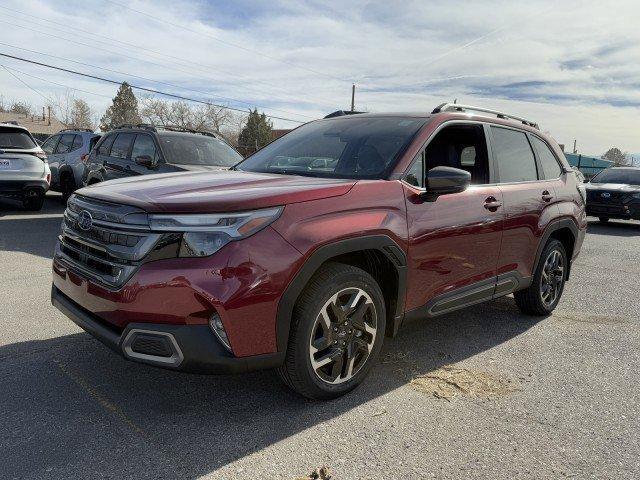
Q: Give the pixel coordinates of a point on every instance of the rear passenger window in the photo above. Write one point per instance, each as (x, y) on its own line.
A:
(105, 146)
(143, 146)
(513, 153)
(65, 144)
(50, 144)
(120, 147)
(77, 143)
(550, 167)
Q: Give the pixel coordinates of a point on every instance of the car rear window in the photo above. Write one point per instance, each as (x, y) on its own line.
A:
(14, 138)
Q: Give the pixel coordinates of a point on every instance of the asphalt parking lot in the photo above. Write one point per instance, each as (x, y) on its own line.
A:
(72, 409)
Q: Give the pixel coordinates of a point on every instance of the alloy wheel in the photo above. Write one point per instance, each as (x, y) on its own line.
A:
(552, 279)
(343, 335)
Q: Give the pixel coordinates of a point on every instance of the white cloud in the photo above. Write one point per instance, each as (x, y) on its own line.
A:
(572, 67)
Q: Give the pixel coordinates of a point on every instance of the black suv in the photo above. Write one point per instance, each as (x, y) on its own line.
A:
(141, 149)
(614, 193)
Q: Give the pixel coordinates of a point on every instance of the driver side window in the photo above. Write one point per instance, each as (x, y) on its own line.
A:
(459, 146)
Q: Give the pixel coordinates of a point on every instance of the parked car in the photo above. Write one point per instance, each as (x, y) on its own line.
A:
(305, 255)
(133, 150)
(67, 152)
(614, 193)
(24, 172)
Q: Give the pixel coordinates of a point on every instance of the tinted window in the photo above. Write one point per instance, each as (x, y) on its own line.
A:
(625, 176)
(65, 144)
(77, 143)
(120, 147)
(193, 149)
(352, 147)
(143, 146)
(550, 167)
(50, 144)
(415, 175)
(14, 138)
(93, 141)
(105, 146)
(516, 162)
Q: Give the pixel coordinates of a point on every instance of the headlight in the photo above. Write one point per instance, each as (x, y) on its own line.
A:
(203, 235)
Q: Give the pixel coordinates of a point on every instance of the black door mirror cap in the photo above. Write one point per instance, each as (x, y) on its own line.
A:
(146, 161)
(445, 181)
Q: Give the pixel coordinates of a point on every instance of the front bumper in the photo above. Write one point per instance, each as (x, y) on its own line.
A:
(192, 348)
(627, 211)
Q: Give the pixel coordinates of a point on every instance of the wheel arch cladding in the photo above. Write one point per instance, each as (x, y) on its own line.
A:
(378, 255)
(566, 232)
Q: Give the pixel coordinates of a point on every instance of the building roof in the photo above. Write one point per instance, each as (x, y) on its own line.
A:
(34, 123)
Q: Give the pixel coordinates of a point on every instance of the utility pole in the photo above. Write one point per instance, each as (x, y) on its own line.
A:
(574, 146)
(353, 97)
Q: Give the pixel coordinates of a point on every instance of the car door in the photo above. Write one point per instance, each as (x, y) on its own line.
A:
(117, 163)
(528, 200)
(454, 240)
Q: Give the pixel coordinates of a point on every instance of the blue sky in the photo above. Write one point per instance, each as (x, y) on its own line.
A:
(574, 67)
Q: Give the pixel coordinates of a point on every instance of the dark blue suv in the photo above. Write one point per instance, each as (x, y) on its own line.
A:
(131, 150)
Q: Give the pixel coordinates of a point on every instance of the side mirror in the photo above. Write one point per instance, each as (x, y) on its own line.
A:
(446, 180)
(146, 161)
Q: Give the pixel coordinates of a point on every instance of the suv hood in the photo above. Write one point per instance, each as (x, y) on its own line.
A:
(616, 187)
(222, 191)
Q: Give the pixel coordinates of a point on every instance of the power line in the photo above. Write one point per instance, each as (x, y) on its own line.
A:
(27, 85)
(225, 42)
(145, 78)
(144, 89)
(200, 66)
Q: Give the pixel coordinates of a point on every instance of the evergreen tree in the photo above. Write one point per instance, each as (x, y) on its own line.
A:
(123, 110)
(256, 133)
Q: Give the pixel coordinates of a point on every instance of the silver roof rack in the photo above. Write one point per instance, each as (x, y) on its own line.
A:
(457, 107)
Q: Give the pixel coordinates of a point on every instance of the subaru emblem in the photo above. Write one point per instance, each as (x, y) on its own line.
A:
(606, 195)
(85, 220)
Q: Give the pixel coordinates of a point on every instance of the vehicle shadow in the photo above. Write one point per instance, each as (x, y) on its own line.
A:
(620, 228)
(74, 409)
(30, 232)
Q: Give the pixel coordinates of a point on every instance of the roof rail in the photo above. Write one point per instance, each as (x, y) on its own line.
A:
(340, 113)
(143, 126)
(456, 107)
(71, 129)
(11, 122)
(177, 128)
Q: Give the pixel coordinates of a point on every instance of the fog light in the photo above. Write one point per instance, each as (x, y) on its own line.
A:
(215, 323)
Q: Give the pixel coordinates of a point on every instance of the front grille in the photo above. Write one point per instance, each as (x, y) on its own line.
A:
(609, 197)
(110, 246)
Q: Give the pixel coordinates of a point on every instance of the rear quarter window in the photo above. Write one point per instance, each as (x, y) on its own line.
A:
(550, 167)
(105, 145)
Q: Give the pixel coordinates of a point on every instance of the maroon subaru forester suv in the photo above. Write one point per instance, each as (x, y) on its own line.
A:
(308, 253)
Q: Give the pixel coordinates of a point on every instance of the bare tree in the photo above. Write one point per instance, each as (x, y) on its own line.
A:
(181, 114)
(615, 155)
(22, 108)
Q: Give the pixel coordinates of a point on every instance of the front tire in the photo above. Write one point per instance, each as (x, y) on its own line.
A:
(543, 295)
(336, 334)
(67, 187)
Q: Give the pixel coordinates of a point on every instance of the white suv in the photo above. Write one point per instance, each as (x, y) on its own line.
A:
(24, 171)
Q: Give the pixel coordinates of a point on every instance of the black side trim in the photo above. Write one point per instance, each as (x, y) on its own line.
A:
(381, 243)
(554, 226)
(478, 292)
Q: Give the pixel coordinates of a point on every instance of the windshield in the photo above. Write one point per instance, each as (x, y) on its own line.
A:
(14, 138)
(625, 176)
(192, 149)
(352, 147)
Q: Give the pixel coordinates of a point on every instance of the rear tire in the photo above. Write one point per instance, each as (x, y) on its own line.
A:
(33, 200)
(67, 187)
(603, 219)
(337, 331)
(543, 295)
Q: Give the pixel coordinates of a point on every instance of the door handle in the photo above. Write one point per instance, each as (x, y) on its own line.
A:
(492, 204)
(546, 196)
